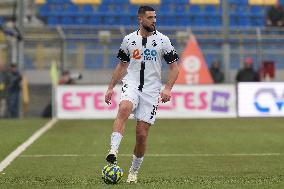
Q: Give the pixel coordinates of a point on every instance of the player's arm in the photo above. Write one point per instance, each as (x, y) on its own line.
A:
(172, 77)
(120, 70)
(117, 75)
(171, 57)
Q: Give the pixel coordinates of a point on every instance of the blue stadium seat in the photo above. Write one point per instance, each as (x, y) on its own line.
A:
(93, 61)
(211, 9)
(195, 9)
(215, 20)
(180, 8)
(165, 8)
(53, 2)
(171, 12)
(67, 20)
(44, 10)
(109, 1)
(243, 2)
(80, 20)
(88, 8)
(257, 20)
(72, 9)
(167, 19)
(103, 8)
(256, 10)
(53, 20)
(125, 19)
(199, 21)
(94, 19)
(28, 62)
(183, 19)
(133, 8)
(113, 61)
(243, 20)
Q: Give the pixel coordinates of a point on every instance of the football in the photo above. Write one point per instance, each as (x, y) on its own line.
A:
(112, 174)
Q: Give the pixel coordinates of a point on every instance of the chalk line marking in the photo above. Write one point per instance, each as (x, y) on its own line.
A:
(13, 155)
(150, 155)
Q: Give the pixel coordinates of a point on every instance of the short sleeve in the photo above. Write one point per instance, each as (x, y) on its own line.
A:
(169, 52)
(123, 53)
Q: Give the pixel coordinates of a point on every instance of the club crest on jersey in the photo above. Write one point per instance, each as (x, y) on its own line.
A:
(148, 54)
(154, 43)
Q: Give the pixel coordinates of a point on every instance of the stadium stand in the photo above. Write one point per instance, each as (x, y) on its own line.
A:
(82, 20)
(194, 13)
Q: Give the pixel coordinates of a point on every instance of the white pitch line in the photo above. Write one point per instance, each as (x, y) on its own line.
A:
(13, 155)
(150, 155)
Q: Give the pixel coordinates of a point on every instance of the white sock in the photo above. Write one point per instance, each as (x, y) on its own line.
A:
(115, 141)
(136, 163)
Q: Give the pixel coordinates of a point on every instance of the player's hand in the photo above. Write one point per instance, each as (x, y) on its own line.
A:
(108, 96)
(166, 95)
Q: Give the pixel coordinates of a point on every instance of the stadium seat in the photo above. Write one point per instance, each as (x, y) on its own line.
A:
(40, 2)
(72, 9)
(262, 2)
(87, 1)
(165, 8)
(243, 20)
(170, 12)
(125, 19)
(80, 20)
(93, 61)
(195, 9)
(256, 11)
(204, 2)
(67, 20)
(28, 62)
(53, 20)
(183, 19)
(214, 20)
(103, 8)
(211, 9)
(88, 8)
(180, 8)
(94, 19)
(140, 2)
(44, 10)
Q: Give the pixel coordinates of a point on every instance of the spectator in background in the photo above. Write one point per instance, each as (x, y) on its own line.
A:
(247, 74)
(216, 73)
(66, 78)
(4, 85)
(13, 99)
(275, 15)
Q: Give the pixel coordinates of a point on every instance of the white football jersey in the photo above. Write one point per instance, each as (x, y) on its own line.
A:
(145, 59)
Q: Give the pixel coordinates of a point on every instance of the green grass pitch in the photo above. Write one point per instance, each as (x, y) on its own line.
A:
(190, 153)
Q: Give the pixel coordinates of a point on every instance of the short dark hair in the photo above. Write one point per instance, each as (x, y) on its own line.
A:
(142, 9)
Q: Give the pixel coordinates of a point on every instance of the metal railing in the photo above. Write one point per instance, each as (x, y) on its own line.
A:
(95, 48)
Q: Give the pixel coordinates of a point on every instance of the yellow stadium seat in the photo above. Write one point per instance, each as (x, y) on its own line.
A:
(205, 2)
(262, 2)
(87, 1)
(40, 1)
(152, 2)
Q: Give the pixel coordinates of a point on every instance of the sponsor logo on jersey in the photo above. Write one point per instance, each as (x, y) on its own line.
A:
(148, 54)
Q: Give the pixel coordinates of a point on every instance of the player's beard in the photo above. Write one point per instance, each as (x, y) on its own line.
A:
(148, 28)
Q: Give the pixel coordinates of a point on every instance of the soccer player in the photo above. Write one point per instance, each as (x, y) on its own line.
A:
(140, 55)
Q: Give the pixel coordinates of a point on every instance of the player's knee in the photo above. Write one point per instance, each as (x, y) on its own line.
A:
(124, 111)
(141, 137)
